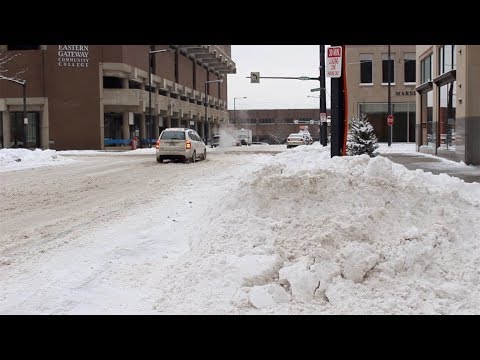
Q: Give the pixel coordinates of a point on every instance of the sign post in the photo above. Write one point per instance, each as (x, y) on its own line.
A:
(338, 103)
(334, 62)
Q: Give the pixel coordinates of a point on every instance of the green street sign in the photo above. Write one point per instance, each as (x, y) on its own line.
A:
(304, 78)
(316, 89)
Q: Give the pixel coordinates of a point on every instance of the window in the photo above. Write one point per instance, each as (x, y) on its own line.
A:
(446, 115)
(134, 84)
(388, 68)
(173, 135)
(366, 69)
(266, 121)
(426, 69)
(428, 126)
(113, 130)
(409, 68)
(404, 128)
(446, 59)
(20, 132)
(111, 82)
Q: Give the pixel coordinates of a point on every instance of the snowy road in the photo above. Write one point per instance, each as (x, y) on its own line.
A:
(251, 230)
(79, 237)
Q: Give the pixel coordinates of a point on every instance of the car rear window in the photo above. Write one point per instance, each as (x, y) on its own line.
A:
(173, 135)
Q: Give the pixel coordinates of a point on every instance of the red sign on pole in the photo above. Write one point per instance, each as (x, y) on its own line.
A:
(390, 120)
(334, 62)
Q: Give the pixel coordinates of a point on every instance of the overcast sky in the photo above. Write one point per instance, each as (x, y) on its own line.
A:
(275, 60)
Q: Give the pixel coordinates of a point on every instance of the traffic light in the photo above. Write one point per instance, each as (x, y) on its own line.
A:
(255, 77)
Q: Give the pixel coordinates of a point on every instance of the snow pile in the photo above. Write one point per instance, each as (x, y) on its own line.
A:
(357, 235)
(13, 159)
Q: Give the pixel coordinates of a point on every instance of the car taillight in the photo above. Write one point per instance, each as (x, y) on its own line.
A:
(188, 145)
(157, 145)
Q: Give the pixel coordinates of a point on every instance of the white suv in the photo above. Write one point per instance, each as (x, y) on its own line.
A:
(180, 144)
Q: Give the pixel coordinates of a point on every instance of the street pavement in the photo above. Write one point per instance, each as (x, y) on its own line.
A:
(435, 165)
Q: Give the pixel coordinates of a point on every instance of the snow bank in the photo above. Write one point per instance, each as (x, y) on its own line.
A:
(303, 233)
(14, 159)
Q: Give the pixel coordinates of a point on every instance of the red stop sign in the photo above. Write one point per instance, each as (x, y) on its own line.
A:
(390, 120)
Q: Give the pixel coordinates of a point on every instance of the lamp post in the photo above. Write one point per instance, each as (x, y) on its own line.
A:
(234, 109)
(25, 119)
(205, 129)
(389, 98)
(150, 56)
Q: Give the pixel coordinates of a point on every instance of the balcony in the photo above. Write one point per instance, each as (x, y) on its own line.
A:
(214, 57)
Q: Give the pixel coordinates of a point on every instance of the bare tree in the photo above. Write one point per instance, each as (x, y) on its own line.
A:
(4, 73)
(277, 138)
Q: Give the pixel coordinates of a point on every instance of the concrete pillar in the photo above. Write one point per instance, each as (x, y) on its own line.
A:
(45, 128)
(156, 132)
(125, 83)
(168, 122)
(125, 126)
(6, 129)
(143, 128)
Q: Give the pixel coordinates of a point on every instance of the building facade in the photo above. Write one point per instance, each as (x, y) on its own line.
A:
(274, 125)
(368, 71)
(98, 96)
(448, 101)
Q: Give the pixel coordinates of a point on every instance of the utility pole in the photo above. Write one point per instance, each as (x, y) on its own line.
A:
(390, 133)
(25, 119)
(323, 102)
(337, 110)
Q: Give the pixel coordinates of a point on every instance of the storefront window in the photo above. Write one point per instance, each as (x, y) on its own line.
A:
(428, 126)
(404, 126)
(447, 114)
(113, 129)
(19, 133)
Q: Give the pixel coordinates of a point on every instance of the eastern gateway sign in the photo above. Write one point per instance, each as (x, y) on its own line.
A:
(73, 56)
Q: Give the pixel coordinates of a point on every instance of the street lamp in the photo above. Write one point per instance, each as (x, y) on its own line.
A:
(234, 112)
(206, 107)
(25, 119)
(150, 54)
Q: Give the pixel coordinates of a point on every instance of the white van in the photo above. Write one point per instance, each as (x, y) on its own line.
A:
(180, 144)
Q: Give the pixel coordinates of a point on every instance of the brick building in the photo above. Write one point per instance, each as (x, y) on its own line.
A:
(274, 125)
(97, 96)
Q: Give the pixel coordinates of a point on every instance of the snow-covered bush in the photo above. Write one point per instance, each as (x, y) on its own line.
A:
(361, 138)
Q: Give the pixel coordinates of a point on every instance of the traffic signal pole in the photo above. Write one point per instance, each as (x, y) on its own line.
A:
(339, 122)
(323, 101)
